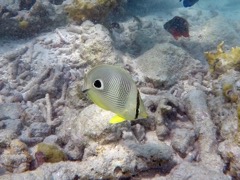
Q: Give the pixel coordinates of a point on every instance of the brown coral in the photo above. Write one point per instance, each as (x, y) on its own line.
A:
(95, 10)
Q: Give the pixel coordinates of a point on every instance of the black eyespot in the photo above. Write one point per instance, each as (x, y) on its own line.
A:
(97, 84)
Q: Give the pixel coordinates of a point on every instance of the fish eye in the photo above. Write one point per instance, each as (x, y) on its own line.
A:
(98, 84)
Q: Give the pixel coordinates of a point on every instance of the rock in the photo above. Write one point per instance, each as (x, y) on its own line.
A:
(194, 171)
(162, 132)
(2, 171)
(52, 139)
(10, 111)
(92, 123)
(230, 152)
(90, 150)
(139, 132)
(32, 114)
(26, 138)
(16, 159)
(5, 137)
(204, 128)
(225, 29)
(158, 64)
(22, 18)
(75, 97)
(74, 151)
(111, 161)
(182, 139)
(6, 2)
(35, 133)
(13, 124)
(228, 128)
(98, 47)
(152, 151)
(39, 129)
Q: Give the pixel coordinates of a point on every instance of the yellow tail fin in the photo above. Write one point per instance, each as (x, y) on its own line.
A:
(116, 119)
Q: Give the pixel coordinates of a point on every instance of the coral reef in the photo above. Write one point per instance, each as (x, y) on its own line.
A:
(50, 130)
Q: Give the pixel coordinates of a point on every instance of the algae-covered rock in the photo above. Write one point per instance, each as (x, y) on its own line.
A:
(96, 10)
(50, 152)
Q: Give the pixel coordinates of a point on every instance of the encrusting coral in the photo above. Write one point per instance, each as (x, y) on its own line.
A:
(95, 10)
(221, 61)
(229, 93)
(23, 24)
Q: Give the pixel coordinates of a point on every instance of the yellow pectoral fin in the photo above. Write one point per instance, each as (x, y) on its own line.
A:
(116, 119)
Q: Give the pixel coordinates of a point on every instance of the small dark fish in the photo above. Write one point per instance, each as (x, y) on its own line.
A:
(178, 27)
(114, 25)
(189, 3)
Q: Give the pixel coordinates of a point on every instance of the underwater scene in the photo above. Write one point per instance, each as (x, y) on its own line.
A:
(120, 89)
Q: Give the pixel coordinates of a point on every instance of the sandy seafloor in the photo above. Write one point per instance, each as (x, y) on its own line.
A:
(192, 131)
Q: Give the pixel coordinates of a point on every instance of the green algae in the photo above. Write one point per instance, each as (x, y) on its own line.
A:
(51, 152)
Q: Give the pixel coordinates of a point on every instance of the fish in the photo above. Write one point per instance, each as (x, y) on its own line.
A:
(114, 25)
(189, 3)
(112, 88)
(178, 27)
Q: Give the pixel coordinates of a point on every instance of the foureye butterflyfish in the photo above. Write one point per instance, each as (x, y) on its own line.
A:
(112, 88)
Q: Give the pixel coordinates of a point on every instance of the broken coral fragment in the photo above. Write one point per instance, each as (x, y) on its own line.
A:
(221, 61)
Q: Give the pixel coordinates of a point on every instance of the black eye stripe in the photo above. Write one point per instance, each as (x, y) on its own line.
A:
(137, 105)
